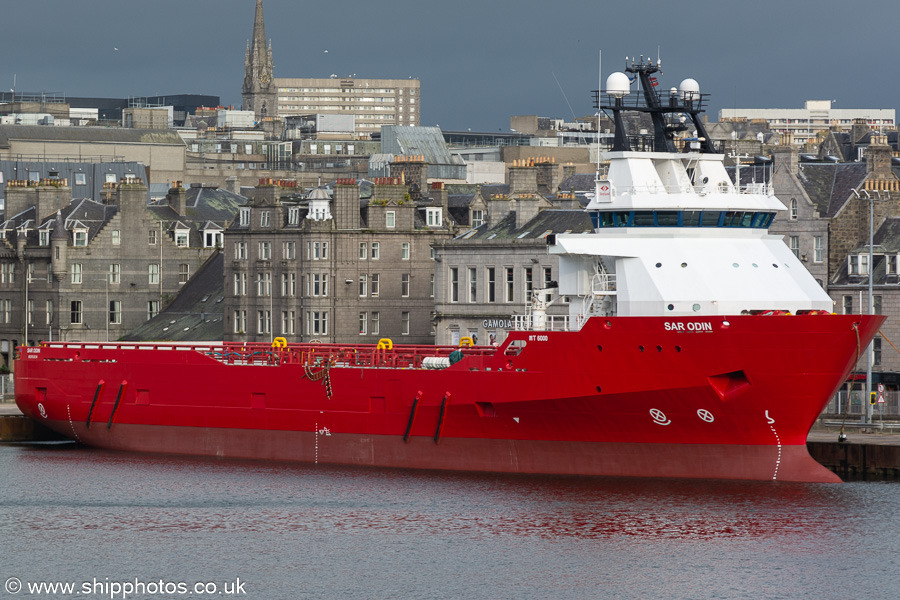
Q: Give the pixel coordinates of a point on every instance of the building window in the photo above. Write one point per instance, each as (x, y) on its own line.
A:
(181, 238)
(858, 264)
(240, 321)
(45, 237)
(876, 351)
(491, 285)
(376, 318)
(794, 211)
(795, 245)
(76, 272)
(240, 284)
(48, 312)
(294, 215)
(548, 274)
(363, 284)
(212, 239)
(317, 323)
(263, 321)
(75, 316)
(454, 284)
(473, 284)
(80, 238)
(6, 311)
(115, 237)
(288, 284)
(510, 284)
(115, 312)
(890, 261)
(244, 217)
(153, 273)
(152, 309)
(114, 273)
(240, 251)
(363, 251)
(529, 283)
(404, 323)
(404, 251)
(289, 250)
(264, 284)
(876, 304)
(152, 237)
(287, 322)
(433, 217)
(374, 287)
(265, 251)
(264, 218)
(432, 286)
(404, 285)
(184, 273)
(477, 218)
(848, 305)
(389, 219)
(363, 323)
(819, 249)
(319, 283)
(376, 250)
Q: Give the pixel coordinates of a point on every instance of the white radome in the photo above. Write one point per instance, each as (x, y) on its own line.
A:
(618, 85)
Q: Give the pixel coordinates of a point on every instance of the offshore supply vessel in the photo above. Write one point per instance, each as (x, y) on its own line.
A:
(696, 345)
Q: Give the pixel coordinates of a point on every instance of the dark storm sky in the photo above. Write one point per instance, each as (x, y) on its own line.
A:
(479, 61)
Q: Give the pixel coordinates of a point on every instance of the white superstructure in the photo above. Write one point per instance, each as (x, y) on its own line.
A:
(675, 236)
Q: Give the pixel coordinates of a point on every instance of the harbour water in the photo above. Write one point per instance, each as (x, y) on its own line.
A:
(279, 531)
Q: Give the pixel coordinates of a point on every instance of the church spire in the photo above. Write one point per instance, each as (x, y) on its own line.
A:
(258, 92)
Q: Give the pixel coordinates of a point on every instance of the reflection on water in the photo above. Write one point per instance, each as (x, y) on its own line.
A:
(367, 531)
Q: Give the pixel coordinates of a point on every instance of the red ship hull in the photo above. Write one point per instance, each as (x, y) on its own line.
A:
(707, 397)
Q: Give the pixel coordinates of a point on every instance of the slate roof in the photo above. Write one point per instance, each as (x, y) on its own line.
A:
(828, 184)
(551, 220)
(196, 312)
(580, 182)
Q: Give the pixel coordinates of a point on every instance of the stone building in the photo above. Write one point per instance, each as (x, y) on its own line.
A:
(337, 269)
(486, 275)
(92, 270)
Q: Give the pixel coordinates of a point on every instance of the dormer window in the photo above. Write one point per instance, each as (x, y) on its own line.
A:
(264, 218)
(44, 237)
(433, 217)
(477, 218)
(294, 215)
(181, 238)
(212, 238)
(890, 264)
(858, 264)
(79, 238)
(244, 216)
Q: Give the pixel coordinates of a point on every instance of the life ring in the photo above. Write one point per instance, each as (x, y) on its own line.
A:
(466, 341)
(279, 343)
(385, 344)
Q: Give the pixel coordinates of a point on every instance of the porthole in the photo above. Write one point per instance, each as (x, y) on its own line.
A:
(659, 348)
(599, 348)
(677, 348)
(696, 308)
(671, 307)
(755, 266)
(774, 265)
(641, 348)
(683, 265)
(658, 265)
(599, 391)
(735, 265)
